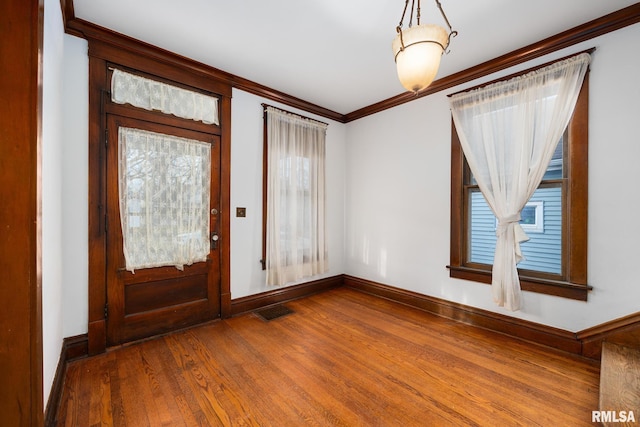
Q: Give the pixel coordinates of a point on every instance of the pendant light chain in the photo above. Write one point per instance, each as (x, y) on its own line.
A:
(404, 12)
(452, 32)
(445, 17)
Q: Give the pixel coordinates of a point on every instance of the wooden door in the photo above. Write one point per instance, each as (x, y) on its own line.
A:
(151, 301)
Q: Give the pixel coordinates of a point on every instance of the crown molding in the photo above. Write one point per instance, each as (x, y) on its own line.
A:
(595, 28)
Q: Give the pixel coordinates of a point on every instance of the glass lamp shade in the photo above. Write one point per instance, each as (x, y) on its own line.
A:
(418, 62)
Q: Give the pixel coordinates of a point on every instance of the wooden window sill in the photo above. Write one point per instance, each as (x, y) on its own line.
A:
(531, 284)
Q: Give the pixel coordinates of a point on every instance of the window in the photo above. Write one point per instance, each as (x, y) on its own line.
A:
(555, 218)
(541, 219)
(294, 243)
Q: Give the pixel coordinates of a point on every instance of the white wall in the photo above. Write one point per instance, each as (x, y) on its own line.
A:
(398, 196)
(247, 277)
(75, 196)
(389, 194)
(52, 332)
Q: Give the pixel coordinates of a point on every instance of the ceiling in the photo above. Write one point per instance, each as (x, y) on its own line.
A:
(332, 53)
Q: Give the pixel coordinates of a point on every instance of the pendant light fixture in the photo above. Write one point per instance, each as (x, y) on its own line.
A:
(418, 49)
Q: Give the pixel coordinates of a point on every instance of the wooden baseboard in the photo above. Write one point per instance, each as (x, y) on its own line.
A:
(280, 295)
(625, 331)
(522, 329)
(72, 348)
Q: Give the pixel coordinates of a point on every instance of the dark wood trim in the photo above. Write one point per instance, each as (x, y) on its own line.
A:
(51, 411)
(625, 331)
(72, 348)
(97, 208)
(549, 287)
(280, 295)
(68, 11)
(457, 246)
(525, 330)
(578, 190)
(21, 357)
(225, 208)
(75, 347)
(598, 27)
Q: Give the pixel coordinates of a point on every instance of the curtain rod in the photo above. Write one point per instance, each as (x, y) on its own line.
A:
(264, 107)
(521, 73)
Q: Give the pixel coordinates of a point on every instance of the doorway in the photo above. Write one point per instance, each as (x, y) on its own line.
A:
(155, 199)
(127, 304)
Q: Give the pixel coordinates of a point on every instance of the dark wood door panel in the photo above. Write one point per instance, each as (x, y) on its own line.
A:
(151, 301)
(153, 295)
(160, 321)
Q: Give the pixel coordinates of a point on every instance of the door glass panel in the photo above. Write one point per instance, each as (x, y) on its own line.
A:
(164, 190)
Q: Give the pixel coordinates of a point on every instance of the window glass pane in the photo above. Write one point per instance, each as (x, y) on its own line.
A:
(296, 185)
(554, 171)
(541, 220)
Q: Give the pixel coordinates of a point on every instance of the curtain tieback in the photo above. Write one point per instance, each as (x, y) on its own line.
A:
(503, 224)
(518, 233)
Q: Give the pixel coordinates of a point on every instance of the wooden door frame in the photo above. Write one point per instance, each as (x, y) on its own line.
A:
(21, 361)
(107, 48)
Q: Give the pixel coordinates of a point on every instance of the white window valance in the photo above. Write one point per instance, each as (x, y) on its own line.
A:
(127, 88)
(164, 189)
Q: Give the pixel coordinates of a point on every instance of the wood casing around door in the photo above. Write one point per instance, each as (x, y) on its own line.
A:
(136, 309)
(152, 301)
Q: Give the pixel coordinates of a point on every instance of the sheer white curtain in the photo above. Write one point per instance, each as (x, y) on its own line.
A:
(164, 188)
(508, 132)
(296, 244)
(127, 88)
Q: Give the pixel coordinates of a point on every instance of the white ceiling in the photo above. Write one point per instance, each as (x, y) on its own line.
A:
(333, 53)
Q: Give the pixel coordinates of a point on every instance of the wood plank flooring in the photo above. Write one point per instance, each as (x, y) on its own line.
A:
(343, 358)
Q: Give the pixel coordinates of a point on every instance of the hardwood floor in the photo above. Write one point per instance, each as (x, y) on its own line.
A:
(343, 358)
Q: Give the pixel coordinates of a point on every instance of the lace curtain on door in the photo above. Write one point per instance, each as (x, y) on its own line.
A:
(164, 188)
